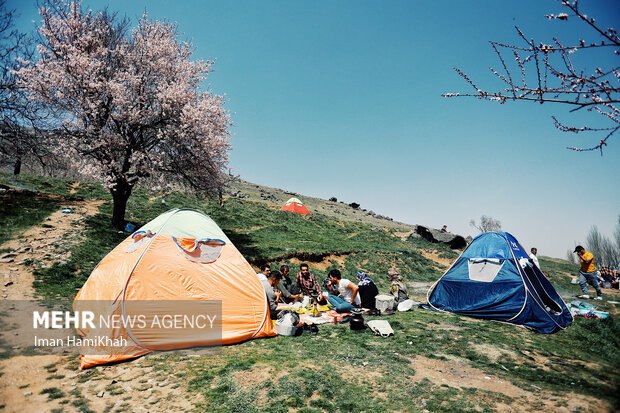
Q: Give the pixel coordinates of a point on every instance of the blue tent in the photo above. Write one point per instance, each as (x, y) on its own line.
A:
(494, 279)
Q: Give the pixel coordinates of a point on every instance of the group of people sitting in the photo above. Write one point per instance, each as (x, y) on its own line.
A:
(342, 294)
(609, 277)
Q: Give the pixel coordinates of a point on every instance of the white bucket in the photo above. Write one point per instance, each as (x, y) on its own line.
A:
(384, 303)
(285, 330)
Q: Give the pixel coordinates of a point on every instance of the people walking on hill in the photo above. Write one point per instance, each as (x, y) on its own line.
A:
(534, 258)
(398, 288)
(367, 290)
(587, 273)
(308, 285)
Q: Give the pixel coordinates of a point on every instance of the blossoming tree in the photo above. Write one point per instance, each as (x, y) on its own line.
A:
(128, 106)
(580, 75)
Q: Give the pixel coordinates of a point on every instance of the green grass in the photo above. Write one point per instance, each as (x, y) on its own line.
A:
(54, 186)
(560, 273)
(319, 372)
(260, 233)
(53, 393)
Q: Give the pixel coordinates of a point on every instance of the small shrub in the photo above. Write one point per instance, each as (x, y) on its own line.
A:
(53, 393)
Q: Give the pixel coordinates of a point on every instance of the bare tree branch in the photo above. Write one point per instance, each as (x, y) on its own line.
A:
(557, 79)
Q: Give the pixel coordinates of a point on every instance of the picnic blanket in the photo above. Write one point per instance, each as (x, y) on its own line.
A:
(330, 316)
(581, 309)
(305, 316)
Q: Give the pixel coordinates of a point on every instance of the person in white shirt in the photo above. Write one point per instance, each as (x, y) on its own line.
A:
(347, 289)
(533, 252)
(265, 270)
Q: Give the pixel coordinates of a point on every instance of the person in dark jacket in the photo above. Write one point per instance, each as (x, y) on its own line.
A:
(367, 290)
(288, 288)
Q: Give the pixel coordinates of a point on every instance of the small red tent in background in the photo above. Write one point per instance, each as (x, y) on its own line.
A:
(295, 205)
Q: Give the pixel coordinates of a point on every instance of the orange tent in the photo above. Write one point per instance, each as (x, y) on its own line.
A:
(180, 262)
(295, 205)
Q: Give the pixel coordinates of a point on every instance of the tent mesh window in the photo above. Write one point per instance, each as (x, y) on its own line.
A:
(204, 251)
(484, 269)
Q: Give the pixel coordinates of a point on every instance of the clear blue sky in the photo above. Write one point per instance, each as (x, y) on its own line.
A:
(344, 99)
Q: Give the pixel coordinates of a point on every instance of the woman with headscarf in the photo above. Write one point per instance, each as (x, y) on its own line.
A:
(398, 289)
(367, 290)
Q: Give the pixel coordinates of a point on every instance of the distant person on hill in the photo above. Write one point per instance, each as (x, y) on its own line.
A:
(289, 289)
(265, 270)
(347, 290)
(272, 293)
(367, 290)
(587, 273)
(308, 285)
(398, 288)
(533, 257)
(444, 228)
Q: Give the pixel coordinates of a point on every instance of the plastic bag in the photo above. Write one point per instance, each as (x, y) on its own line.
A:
(381, 328)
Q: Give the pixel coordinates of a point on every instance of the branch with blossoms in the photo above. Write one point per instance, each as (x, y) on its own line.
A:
(546, 73)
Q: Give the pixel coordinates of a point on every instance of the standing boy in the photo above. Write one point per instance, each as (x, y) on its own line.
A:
(587, 273)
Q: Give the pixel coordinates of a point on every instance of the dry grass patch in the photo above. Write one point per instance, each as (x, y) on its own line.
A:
(251, 380)
(404, 236)
(330, 260)
(441, 263)
(255, 377)
(444, 326)
(494, 353)
(457, 373)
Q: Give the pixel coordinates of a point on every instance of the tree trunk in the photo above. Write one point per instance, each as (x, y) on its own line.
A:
(120, 195)
(17, 168)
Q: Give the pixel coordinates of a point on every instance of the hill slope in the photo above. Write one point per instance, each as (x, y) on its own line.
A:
(435, 362)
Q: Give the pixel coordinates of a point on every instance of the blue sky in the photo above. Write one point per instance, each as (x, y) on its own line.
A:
(343, 98)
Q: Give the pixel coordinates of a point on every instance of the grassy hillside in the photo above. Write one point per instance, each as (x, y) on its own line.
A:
(435, 362)
(349, 238)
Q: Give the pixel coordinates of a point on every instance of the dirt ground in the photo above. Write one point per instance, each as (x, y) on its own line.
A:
(456, 373)
(40, 245)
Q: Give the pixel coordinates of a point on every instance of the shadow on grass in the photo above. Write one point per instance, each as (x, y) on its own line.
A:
(20, 210)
